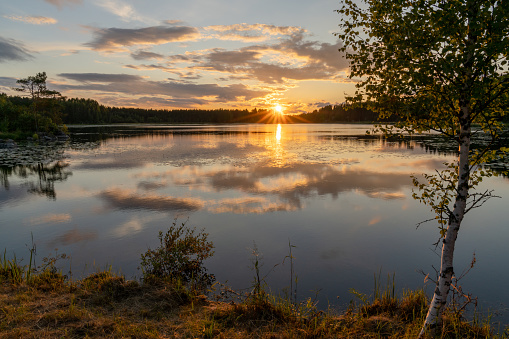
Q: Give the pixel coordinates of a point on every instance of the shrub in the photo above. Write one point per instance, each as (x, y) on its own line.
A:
(179, 258)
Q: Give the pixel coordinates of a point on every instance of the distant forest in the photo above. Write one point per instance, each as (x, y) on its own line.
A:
(88, 111)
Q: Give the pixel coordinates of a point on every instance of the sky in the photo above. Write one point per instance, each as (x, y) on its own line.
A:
(168, 54)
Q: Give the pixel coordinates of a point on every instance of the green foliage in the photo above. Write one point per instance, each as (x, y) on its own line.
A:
(421, 61)
(179, 258)
(438, 190)
(340, 113)
(43, 107)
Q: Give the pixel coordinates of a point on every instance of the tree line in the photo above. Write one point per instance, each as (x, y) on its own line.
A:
(89, 111)
(26, 114)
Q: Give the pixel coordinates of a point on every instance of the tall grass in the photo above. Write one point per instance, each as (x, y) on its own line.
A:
(104, 305)
(11, 269)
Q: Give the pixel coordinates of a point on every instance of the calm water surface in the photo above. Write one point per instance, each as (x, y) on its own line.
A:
(344, 200)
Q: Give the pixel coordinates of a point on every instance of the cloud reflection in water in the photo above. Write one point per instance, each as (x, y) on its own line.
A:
(128, 199)
(72, 237)
(260, 189)
(270, 168)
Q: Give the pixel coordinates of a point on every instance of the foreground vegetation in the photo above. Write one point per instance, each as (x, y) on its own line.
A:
(177, 300)
(107, 305)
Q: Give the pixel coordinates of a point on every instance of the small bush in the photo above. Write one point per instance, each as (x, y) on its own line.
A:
(179, 258)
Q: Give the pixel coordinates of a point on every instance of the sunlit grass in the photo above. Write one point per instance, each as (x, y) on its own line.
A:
(46, 304)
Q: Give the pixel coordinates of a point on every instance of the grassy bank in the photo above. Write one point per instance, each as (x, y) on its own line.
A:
(106, 305)
(175, 298)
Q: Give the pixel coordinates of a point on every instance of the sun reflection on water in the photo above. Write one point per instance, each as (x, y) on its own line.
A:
(279, 154)
(278, 133)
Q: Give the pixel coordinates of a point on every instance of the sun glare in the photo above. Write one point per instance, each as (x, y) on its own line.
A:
(278, 109)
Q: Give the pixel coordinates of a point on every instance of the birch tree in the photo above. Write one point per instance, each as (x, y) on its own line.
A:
(435, 65)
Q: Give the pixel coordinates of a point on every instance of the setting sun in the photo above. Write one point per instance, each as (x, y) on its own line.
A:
(278, 109)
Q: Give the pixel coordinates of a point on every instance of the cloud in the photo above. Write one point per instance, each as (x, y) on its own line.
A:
(250, 32)
(6, 83)
(115, 39)
(144, 55)
(124, 11)
(34, 20)
(290, 59)
(13, 50)
(126, 199)
(149, 185)
(151, 67)
(184, 75)
(173, 22)
(234, 58)
(316, 52)
(162, 102)
(70, 52)
(61, 3)
(275, 60)
(171, 90)
(100, 77)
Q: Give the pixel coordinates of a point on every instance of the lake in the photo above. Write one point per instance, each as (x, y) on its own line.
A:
(343, 199)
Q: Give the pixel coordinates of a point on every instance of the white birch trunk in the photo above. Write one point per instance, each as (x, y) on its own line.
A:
(437, 305)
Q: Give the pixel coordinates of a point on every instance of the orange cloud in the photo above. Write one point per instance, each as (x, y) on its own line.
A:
(34, 20)
(250, 32)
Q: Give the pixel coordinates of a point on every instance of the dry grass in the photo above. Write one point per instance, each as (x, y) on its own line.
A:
(107, 305)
